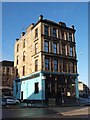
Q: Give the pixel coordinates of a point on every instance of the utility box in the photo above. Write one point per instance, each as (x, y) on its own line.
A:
(52, 102)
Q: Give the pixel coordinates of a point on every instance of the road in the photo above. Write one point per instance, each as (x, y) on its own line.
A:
(28, 113)
(55, 112)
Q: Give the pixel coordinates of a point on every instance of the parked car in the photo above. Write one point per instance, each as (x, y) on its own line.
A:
(10, 100)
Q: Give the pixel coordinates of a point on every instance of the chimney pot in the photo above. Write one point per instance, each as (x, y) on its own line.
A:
(72, 26)
(17, 39)
(40, 17)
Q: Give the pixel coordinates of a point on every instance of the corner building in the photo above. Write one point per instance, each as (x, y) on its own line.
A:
(46, 63)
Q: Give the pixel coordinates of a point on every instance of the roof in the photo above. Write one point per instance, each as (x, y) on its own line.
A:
(7, 63)
(60, 24)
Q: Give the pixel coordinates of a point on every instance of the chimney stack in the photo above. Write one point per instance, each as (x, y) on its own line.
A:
(22, 34)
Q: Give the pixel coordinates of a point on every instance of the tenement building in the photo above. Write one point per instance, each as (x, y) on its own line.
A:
(7, 73)
(46, 62)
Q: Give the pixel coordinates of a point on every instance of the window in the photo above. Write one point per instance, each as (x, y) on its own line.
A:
(46, 30)
(66, 36)
(16, 72)
(8, 69)
(71, 67)
(16, 87)
(64, 66)
(63, 49)
(36, 88)
(36, 65)
(55, 47)
(70, 37)
(17, 59)
(52, 67)
(24, 56)
(71, 51)
(62, 34)
(23, 70)
(18, 48)
(36, 48)
(24, 43)
(61, 66)
(46, 46)
(46, 64)
(54, 32)
(36, 32)
(3, 69)
(12, 70)
(55, 65)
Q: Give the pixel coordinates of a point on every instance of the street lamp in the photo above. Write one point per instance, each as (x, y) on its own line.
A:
(80, 53)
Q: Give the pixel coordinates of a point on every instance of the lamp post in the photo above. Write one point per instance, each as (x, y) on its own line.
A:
(77, 80)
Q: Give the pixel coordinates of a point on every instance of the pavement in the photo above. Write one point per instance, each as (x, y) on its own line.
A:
(73, 111)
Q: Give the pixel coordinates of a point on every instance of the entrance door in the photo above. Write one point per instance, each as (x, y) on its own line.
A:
(21, 95)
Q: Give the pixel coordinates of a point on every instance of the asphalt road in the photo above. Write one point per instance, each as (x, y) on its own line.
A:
(55, 112)
(28, 113)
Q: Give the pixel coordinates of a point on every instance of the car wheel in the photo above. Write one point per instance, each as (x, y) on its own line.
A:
(17, 103)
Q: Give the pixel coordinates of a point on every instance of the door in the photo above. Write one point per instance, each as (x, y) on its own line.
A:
(21, 95)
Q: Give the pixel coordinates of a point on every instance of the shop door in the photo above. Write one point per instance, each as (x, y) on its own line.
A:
(21, 95)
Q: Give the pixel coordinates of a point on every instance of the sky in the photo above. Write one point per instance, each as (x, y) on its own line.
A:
(17, 16)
